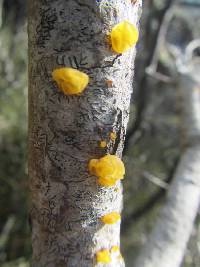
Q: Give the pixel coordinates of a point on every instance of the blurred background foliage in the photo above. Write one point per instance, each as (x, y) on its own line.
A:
(153, 145)
(14, 230)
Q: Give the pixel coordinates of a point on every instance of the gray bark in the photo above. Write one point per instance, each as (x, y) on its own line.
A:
(64, 131)
(168, 240)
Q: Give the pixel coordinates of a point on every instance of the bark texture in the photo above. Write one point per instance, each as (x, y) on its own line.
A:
(64, 131)
(167, 243)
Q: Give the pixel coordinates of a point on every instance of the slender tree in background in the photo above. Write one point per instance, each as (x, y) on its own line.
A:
(168, 241)
(65, 131)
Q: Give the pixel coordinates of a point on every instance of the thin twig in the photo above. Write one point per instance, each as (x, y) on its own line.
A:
(155, 180)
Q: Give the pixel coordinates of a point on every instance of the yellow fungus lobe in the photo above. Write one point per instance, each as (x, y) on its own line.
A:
(111, 218)
(115, 249)
(70, 81)
(113, 136)
(109, 169)
(103, 256)
(102, 144)
(123, 36)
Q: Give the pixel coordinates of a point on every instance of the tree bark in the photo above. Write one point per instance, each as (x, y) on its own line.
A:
(168, 240)
(64, 131)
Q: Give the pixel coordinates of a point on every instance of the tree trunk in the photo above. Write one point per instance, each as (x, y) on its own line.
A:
(64, 131)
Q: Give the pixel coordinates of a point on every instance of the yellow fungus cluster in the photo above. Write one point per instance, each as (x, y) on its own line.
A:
(111, 218)
(103, 256)
(109, 169)
(123, 36)
(70, 81)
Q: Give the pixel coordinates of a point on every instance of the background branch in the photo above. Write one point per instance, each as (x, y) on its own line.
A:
(175, 223)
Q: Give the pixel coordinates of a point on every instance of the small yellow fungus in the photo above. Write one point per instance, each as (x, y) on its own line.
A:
(70, 81)
(109, 169)
(111, 218)
(123, 36)
(115, 249)
(103, 256)
(113, 136)
(102, 144)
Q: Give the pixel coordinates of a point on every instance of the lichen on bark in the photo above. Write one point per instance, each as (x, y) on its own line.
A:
(64, 131)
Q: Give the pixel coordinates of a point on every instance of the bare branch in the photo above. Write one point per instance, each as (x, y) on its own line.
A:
(151, 202)
(167, 243)
(155, 180)
(149, 45)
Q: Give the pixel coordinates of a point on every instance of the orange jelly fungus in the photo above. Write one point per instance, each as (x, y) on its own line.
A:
(111, 218)
(109, 169)
(70, 81)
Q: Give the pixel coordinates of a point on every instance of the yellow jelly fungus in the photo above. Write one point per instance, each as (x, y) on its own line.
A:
(102, 144)
(103, 256)
(70, 81)
(109, 169)
(111, 218)
(115, 249)
(123, 36)
(113, 136)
